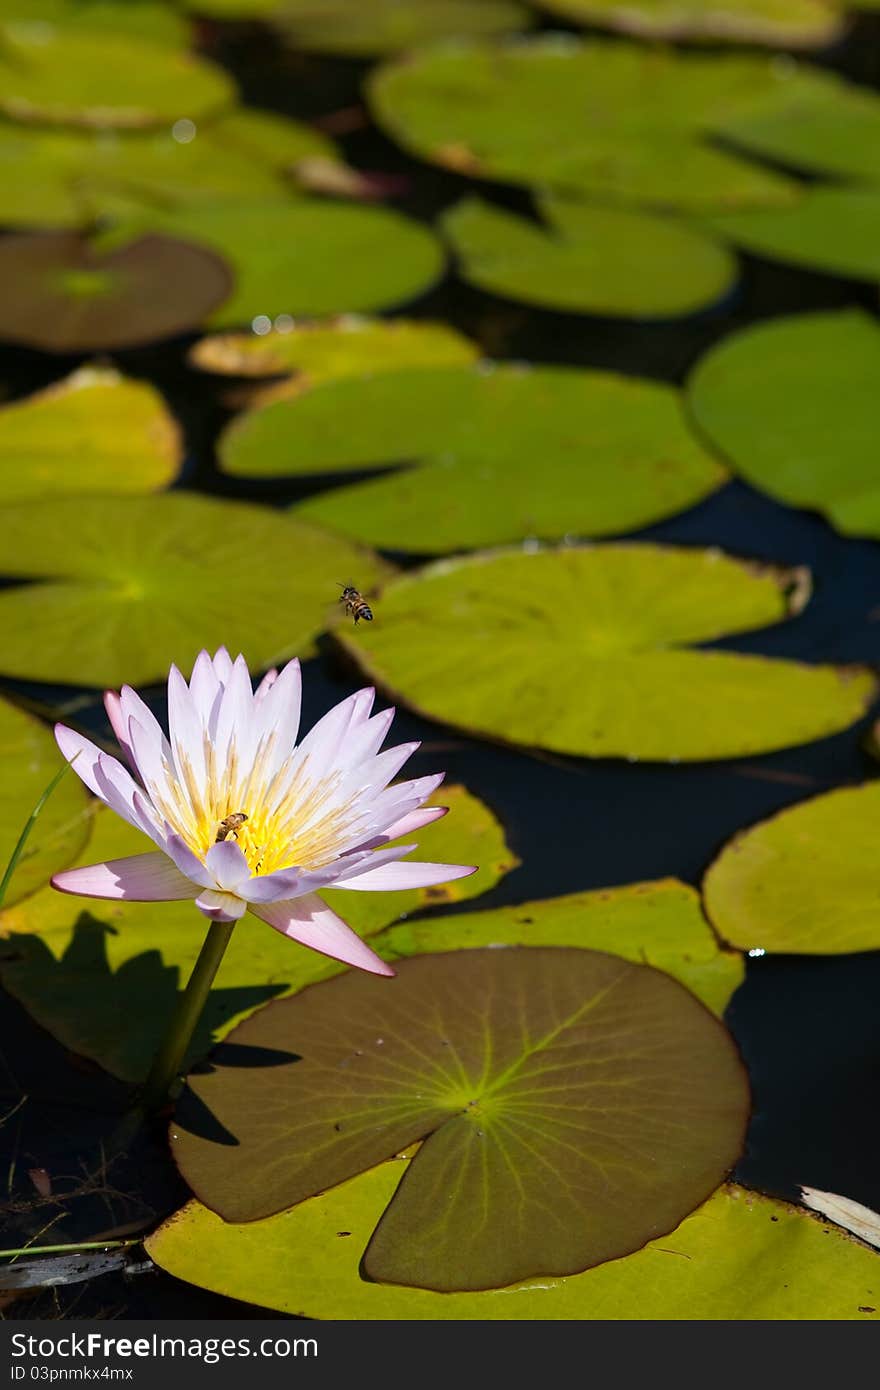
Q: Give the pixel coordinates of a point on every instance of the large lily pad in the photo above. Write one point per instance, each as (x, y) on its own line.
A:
(78, 77)
(62, 295)
(131, 959)
(588, 650)
(346, 346)
(550, 1086)
(307, 256)
(595, 260)
(794, 404)
(738, 1257)
(835, 230)
(806, 881)
(30, 759)
(792, 23)
(659, 924)
(94, 432)
(595, 119)
(367, 28)
(504, 452)
(821, 124)
(128, 585)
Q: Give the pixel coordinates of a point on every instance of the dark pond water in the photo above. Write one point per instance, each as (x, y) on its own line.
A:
(809, 1028)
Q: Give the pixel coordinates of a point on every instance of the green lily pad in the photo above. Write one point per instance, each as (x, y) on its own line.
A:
(738, 1257)
(347, 346)
(805, 881)
(306, 257)
(588, 650)
(68, 178)
(548, 1084)
(794, 405)
(30, 760)
(78, 77)
(835, 230)
(121, 428)
(792, 23)
(659, 924)
(591, 119)
(821, 124)
(503, 452)
(157, 23)
(62, 295)
(131, 959)
(595, 260)
(129, 585)
(369, 28)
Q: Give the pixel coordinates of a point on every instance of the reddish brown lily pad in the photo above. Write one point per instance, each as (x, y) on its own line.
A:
(61, 295)
(573, 1106)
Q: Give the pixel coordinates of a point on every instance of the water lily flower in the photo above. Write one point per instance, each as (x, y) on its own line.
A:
(247, 820)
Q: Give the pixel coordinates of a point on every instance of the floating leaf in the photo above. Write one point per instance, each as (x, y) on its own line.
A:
(367, 28)
(129, 585)
(585, 650)
(61, 295)
(550, 1086)
(78, 77)
(835, 230)
(821, 124)
(120, 430)
(659, 924)
(347, 346)
(739, 1257)
(69, 177)
(131, 959)
(30, 758)
(794, 405)
(157, 23)
(596, 260)
(504, 452)
(595, 119)
(792, 23)
(308, 256)
(805, 881)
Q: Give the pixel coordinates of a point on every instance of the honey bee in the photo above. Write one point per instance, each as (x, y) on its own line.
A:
(227, 828)
(355, 604)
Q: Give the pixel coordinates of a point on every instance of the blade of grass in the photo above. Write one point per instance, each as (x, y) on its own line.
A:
(28, 827)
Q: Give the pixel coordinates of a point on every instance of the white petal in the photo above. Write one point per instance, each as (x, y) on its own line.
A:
(227, 865)
(220, 907)
(391, 877)
(140, 878)
(311, 922)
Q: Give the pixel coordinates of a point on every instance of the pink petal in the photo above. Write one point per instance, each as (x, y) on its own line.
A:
(204, 687)
(187, 862)
(391, 877)
(153, 761)
(324, 744)
(227, 865)
(186, 728)
(311, 922)
(277, 714)
(140, 878)
(220, 907)
(368, 739)
(266, 684)
(415, 820)
(284, 884)
(350, 865)
(234, 720)
(222, 665)
(122, 794)
(118, 723)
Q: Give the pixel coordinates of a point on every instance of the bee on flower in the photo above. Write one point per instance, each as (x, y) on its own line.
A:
(244, 818)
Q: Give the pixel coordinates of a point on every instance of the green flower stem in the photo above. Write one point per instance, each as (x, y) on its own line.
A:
(169, 1059)
(29, 825)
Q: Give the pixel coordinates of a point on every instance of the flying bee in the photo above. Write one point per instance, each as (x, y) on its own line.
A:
(355, 604)
(228, 827)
